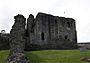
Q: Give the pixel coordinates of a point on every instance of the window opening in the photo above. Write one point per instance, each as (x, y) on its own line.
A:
(66, 37)
(68, 24)
(42, 36)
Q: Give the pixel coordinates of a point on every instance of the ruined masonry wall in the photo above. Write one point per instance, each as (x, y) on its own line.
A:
(53, 31)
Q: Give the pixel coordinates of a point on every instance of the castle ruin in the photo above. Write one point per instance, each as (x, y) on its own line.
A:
(17, 41)
(51, 32)
(47, 32)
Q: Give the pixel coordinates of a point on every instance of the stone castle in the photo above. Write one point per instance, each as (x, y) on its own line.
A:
(50, 32)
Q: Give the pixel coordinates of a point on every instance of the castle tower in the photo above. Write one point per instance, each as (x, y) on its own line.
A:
(48, 31)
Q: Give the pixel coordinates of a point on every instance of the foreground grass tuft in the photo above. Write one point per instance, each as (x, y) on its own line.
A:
(51, 56)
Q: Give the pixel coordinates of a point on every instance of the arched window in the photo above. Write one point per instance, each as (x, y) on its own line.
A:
(66, 37)
(68, 23)
(55, 21)
(42, 36)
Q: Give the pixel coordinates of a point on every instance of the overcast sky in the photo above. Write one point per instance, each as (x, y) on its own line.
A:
(77, 9)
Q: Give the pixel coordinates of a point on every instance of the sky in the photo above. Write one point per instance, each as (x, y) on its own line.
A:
(76, 9)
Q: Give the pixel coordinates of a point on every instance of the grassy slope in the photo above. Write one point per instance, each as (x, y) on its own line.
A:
(57, 56)
(51, 56)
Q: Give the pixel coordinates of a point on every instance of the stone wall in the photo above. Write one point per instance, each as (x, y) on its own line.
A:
(52, 32)
(17, 41)
(4, 41)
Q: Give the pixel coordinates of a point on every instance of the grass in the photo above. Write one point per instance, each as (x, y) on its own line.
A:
(3, 55)
(57, 56)
(51, 56)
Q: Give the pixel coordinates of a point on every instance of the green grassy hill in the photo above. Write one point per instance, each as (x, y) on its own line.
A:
(51, 56)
